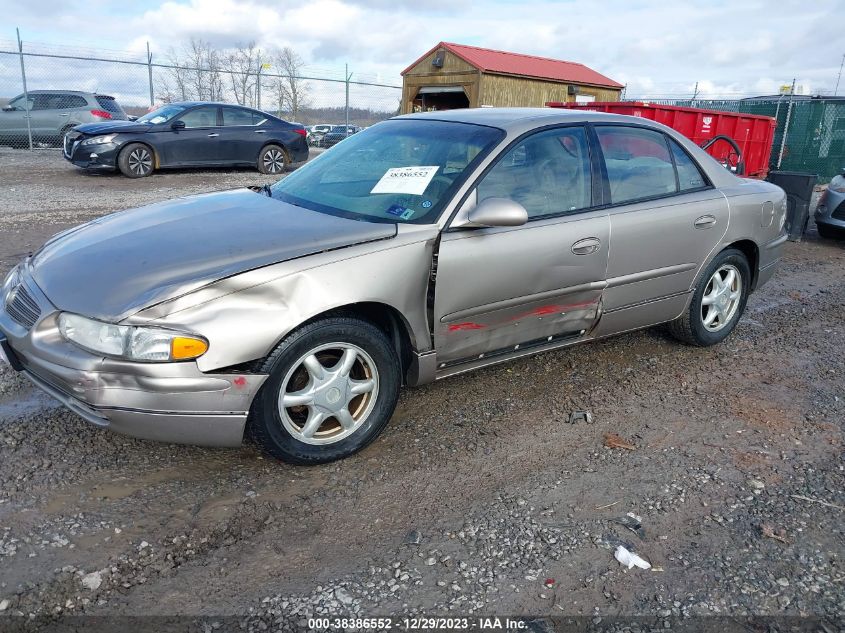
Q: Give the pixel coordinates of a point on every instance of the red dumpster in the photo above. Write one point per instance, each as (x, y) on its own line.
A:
(752, 133)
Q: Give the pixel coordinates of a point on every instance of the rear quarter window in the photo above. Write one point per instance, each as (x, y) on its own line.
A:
(109, 104)
(638, 163)
(689, 174)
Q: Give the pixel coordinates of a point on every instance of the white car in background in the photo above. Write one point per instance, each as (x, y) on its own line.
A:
(316, 132)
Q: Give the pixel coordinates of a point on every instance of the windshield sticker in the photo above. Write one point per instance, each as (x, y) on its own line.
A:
(399, 211)
(426, 204)
(412, 180)
(396, 209)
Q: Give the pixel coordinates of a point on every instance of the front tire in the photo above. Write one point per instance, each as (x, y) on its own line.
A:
(136, 161)
(829, 232)
(717, 303)
(273, 160)
(332, 388)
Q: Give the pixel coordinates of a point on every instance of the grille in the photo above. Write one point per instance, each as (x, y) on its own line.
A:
(22, 307)
(839, 212)
(69, 139)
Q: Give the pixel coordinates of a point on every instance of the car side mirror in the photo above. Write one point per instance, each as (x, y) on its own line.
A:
(177, 125)
(497, 212)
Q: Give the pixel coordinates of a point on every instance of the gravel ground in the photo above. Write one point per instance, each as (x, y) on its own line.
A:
(479, 498)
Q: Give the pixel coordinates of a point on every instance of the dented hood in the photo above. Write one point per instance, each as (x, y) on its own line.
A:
(116, 265)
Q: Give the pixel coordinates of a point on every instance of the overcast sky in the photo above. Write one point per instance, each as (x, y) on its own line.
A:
(657, 48)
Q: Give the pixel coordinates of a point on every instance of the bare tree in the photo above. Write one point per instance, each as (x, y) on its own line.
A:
(290, 90)
(242, 64)
(204, 76)
(192, 73)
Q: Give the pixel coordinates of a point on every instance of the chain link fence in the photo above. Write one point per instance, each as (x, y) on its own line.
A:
(275, 82)
(810, 133)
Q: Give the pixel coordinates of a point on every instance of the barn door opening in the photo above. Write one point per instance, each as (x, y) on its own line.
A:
(431, 98)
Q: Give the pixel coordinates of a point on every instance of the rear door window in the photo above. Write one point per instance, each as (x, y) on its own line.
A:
(66, 101)
(238, 116)
(638, 163)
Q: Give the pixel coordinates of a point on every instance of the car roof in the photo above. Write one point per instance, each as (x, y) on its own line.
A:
(62, 92)
(191, 104)
(517, 117)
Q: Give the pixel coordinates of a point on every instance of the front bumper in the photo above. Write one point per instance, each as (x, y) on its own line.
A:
(101, 156)
(831, 210)
(168, 402)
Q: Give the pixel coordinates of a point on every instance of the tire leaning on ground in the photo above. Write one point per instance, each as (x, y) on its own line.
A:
(333, 385)
(273, 159)
(718, 301)
(135, 160)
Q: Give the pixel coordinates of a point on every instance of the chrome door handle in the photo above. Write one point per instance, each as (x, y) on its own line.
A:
(261, 131)
(213, 135)
(705, 222)
(586, 246)
(64, 114)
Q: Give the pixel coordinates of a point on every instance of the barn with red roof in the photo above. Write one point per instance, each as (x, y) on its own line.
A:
(458, 76)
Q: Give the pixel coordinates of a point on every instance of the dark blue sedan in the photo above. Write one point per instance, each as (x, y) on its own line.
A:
(188, 134)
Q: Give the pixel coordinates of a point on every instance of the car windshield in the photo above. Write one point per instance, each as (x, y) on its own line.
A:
(161, 115)
(402, 170)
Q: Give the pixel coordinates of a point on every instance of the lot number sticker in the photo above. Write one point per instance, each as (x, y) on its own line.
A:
(411, 180)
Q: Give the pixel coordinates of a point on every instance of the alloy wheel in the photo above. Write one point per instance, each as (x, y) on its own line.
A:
(274, 161)
(140, 161)
(329, 393)
(722, 297)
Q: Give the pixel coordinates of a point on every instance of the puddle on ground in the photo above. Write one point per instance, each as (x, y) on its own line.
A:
(24, 404)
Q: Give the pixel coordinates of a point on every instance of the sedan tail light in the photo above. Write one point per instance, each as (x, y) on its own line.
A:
(301, 131)
(101, 113)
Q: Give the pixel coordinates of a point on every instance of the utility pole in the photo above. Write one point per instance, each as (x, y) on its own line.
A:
(150, 73)
(786, 123)
(348, 76)
(839, 76)
(695, 91)
(258, 82)
(25, 93)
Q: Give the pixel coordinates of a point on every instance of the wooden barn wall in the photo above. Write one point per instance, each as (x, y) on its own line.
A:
(505, 91)
(451, 64)
(455, 72)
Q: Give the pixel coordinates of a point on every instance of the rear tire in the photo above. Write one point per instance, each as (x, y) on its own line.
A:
(136, 160)
(273, 160)
(717, 303)
(332, 388)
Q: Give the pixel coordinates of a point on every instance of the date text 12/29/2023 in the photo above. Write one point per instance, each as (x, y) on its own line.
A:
(418, 623)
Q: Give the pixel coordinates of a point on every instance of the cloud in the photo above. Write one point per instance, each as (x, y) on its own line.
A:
(658, 48)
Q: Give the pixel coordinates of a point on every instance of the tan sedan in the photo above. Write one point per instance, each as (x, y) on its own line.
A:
(422, 247)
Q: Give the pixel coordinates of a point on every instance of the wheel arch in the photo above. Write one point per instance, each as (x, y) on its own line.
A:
(277, 143)
(385, 317)
(751, 251)
(149, 146)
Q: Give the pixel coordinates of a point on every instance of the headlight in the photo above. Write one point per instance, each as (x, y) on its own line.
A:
(131, 342)
(100, 140)
(11, 280)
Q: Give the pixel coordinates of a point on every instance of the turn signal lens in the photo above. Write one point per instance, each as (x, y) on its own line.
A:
(184, 347)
